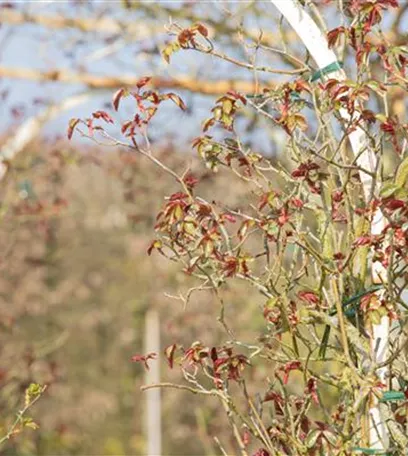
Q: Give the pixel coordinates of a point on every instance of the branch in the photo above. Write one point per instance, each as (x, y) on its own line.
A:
(32, 394)
(135, 29)
(106, 25)
(181, 387)
(219, 87)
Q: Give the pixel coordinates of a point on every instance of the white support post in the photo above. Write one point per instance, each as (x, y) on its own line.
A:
(153, 397)
(32, 127)
(316, 43)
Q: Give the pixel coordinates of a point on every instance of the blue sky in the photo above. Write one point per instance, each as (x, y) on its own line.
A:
(31, 46)
(35, 47)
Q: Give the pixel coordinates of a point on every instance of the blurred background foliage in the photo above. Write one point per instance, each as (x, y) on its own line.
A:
(75, 285)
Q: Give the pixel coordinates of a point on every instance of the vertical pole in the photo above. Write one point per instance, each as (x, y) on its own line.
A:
(153, 398)
(379, 346)
(380, 334)
(316, 43)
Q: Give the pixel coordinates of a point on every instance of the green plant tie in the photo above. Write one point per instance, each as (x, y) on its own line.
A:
(390, 396)
(371, 451)
(331, 68)
(349, 306)
(350, 310)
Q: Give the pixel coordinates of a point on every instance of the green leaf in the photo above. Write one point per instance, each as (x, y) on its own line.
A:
(381, 117)
(227, 106)
(28, 422)
(375, 317)
(388, 189)
(312, 437)
(401, 194)
(32, 392)
(169, 50)
(331, 437)
(271, 303)
(402, 173)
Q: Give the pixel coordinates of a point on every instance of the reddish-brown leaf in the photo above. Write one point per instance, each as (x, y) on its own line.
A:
(308, 296)
(202, 29)
(333, 36)
(176, 99)
(363, 240)
(142, 82)
(144, 359)
(117, 97)
(103, 115)
(169, 353)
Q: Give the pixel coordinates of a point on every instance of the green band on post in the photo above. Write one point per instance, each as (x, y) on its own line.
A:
(370, 451)
(390, 396)
(335, 66)
(348, 308)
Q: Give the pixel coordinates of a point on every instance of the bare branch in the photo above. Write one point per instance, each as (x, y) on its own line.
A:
(218, 87)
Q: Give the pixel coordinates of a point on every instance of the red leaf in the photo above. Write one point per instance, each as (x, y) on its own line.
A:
(311, 388)
(246, 438)
(169, 353)
(337, 196)
(388, 127)
(304, 169)
(142, 82)
(102, 115)
(333, 36)
(237, 96)
(283, 217)
(117, 97)
(126, 125)
(144, 359)
(308, 296)
(229, 217)
(261, 452)
(176, 99)
(394, 204)
(368, 116)
(202, 29)
(89, 124)
(208, 123)
(190, 181)
(296, 202)
(178, 196)
(363, 240)
(288, 367)
(214, 354)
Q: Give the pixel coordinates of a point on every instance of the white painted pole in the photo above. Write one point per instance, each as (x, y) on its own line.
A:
(316, 43)
(153, 398)
(32, 127)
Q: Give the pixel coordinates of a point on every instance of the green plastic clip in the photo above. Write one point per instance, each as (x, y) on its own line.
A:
(371, 451)
(390, 396)
(335, 66)
(349, 309)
